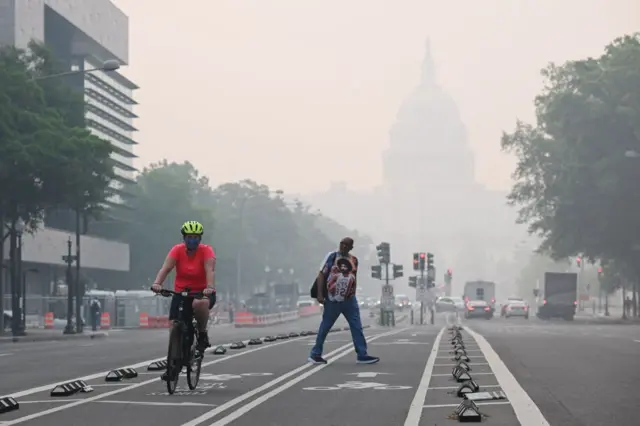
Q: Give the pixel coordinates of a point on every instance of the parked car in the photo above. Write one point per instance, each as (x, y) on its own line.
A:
(478, 309)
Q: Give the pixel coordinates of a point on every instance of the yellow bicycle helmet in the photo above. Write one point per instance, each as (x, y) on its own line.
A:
(192, 227)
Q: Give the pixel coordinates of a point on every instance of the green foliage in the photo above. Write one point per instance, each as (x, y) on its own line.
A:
(574, 185)
(248, 226)
(45, 160)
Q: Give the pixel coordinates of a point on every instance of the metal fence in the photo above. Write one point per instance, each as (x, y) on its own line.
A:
(124, 309)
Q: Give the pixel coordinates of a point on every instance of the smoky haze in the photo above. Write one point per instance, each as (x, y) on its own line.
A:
(386, 115)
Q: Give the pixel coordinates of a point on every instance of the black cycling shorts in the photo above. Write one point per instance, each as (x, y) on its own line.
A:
(188, 306)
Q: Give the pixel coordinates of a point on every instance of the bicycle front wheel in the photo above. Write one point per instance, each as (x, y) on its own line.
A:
(174, 359)
(193, 370)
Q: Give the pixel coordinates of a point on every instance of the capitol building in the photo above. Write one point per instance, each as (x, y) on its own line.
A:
(429, 199)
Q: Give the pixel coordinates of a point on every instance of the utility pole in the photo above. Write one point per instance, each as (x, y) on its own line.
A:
(69, 259)
(79, 287)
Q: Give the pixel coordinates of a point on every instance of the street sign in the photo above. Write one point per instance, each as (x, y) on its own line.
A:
(388, 299)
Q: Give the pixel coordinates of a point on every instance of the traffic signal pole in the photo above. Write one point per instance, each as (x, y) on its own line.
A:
(421, 301)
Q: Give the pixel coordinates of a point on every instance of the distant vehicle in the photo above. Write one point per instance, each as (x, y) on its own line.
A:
(367, 303)
(306, 301)
(402, 302)
(515, 308)
(481, 290)
(560, 295)
(478, 309)
(504, 305)
(450, 304)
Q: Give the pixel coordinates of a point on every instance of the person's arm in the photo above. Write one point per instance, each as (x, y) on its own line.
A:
(167, 266)
(210, 269)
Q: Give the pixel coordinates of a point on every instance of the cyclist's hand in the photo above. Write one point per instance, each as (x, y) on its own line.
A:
(156, 288)
(208, 291)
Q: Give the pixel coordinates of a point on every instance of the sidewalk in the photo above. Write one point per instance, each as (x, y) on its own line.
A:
(42, 335)
(615, 317)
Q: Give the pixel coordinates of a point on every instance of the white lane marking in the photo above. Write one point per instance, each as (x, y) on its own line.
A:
(101, 374)
(100, 385)
(637, 341)
(455, 405)
(526, 410)
(46, 401)
(134, 386)
(453, 365)
(415, 409)
(346, 349)
(6, 354)
(169, 404)
(456, 387)
(450, 375)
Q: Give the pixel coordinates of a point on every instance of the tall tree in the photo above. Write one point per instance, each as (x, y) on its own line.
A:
(575, 186)
(44, 161)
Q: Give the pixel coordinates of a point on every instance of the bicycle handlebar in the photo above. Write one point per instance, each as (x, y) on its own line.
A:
(186, 293)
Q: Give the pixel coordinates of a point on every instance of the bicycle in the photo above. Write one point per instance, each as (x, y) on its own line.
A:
(183, 346)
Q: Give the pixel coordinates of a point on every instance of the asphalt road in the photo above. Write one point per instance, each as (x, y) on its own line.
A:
(560, 374)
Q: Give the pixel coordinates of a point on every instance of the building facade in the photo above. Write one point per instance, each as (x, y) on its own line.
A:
(82, 35)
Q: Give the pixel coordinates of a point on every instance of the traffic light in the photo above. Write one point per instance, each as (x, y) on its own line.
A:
(429, 261)
(448, 276)
(376, 272)
(416, 261)
(413, 282)
(536, 292)
(384, 252)
(578, 261)
(398, 271)
(421, 263)
(600, 270)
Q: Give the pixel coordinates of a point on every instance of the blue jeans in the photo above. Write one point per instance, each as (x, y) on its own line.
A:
(351, 311)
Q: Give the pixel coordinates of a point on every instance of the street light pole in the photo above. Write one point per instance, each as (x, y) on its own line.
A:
(69, 258)
(79, 289)
(108, 65)
(15, 237)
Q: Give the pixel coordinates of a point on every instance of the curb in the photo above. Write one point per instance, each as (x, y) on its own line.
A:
(53, 338)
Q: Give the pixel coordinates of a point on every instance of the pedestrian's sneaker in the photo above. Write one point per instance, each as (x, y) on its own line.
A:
(368, 359)
(317, 360)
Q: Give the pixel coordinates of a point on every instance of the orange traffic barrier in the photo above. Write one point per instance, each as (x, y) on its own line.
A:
(105, 320)
(245, 319)
(48, 320)
(144, 320)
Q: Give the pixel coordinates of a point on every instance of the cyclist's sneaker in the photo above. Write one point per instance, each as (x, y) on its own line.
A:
(203, 341)
(165, 377)
(317, 360)
(368, 359)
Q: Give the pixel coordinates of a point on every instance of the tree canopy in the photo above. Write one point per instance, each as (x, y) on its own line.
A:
(576, 175)
(250, 227)
(48, 159)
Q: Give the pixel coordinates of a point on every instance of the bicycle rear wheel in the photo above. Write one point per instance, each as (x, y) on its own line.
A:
(174, 359)
(195, 365)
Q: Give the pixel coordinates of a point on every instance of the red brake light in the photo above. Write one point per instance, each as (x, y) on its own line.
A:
(526, 307)
(544, 302)
(575, 303)
(493, 300)
(487, 308)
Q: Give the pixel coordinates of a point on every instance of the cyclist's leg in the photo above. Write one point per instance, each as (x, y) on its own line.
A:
(201, 310)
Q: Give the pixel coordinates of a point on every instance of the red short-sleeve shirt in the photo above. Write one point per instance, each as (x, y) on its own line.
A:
(190, 270)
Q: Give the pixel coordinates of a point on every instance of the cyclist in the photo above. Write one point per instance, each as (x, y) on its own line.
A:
(195, 265)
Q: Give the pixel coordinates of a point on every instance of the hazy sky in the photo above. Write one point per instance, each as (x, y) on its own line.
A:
(266, 88)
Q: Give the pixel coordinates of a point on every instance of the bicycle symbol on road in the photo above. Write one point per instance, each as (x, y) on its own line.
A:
(357, 386)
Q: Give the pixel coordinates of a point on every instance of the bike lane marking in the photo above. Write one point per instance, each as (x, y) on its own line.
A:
(130, 387)
(330, 357)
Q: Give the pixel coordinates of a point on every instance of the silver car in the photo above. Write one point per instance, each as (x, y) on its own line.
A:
(516, 308)
(450, 304)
